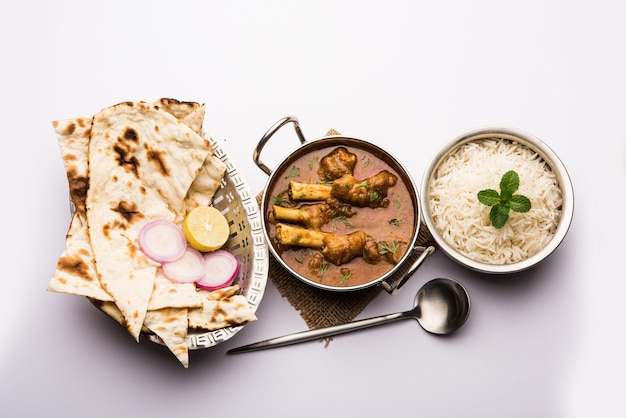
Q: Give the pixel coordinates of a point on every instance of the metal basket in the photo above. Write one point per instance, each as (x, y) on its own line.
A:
(235, 200)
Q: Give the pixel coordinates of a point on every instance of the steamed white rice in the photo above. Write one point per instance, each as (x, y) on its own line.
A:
(464, 222)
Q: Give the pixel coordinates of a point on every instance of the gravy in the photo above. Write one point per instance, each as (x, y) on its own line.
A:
(396, 222)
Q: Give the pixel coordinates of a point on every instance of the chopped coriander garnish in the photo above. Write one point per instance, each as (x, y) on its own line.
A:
(346, 275)
(505, 201)
(294, 172)
(323, 268)
(366, 161)
(388, 247)
(278, 200)
(343, 220)
(394, 221)
(312, 162)
(397, 201)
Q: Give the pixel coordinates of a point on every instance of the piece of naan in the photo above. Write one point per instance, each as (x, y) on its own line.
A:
(221, 308)
(170, 324)
(169, 294)
(73, 138)
(76, 272)
(142, 161)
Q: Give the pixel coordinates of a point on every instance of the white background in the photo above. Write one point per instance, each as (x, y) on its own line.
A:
(408, 75)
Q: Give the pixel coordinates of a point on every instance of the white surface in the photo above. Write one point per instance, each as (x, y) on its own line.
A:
(407, 75)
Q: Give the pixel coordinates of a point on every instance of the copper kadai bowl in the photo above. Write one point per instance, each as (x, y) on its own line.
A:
(310, 151)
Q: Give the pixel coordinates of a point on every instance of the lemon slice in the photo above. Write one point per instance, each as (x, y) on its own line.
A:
(206, 229)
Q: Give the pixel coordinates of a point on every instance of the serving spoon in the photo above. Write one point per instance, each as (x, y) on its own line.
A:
(441, 307)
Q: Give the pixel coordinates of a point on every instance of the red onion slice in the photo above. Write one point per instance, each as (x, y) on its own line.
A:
(187, 269)
(162, 241)
(221, 270)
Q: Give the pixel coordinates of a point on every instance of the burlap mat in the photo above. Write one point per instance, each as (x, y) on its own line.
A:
(322, 308)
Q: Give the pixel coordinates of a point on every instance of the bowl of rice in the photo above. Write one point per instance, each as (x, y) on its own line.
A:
(460, 223)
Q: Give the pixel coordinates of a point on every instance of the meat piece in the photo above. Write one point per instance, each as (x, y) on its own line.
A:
(339, 249)
(315, 261)
(312, 215)
(289, 235)
(336, 248)
(338, 162)
(309, 191)
(370, 252)
(371, 192)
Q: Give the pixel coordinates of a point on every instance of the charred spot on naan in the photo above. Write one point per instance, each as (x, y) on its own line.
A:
(131, 135)
(126, 159)
(178, 108)
(79, 185)
(68, 130)
(75, 265)
(129, 215)
(128, 211)
(156, 157)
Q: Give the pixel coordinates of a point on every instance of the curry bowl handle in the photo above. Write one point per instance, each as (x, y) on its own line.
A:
(270, 132)
(416, 264)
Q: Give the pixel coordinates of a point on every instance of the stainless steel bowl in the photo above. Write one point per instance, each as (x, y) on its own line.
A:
(388, 281)
(534, 144)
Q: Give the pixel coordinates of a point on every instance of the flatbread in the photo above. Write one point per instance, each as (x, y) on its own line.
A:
(221, 308)
(169, 294)
(76, 271)
(73, 138)
(170, 324)
(182, 110)
(205, 185)
(142, 161)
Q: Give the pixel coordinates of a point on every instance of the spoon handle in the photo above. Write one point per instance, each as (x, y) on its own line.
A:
(319, 333)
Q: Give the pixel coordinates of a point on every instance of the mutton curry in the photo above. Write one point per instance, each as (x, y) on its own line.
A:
(340, 216)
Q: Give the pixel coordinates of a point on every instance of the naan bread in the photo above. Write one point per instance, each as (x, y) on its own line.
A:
(73, 138)
(221, 308)
(76, 272)
(142, 161)
(169, 294)
(182, 110)
(170, 325)
(205, 185)
(208, 180)
(74, 278)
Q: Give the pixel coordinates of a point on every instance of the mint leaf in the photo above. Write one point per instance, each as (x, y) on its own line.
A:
(505, 201)
(499, 214)
(519, 203)
(489, 197)
(509, 184)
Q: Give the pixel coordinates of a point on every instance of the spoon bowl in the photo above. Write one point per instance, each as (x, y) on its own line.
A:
(441, 307)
